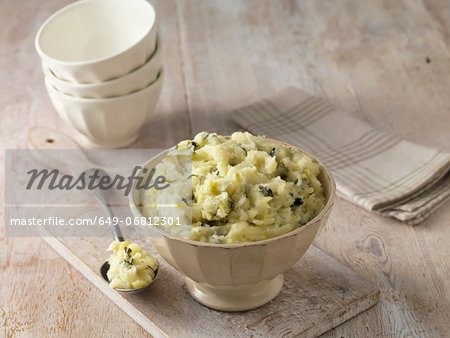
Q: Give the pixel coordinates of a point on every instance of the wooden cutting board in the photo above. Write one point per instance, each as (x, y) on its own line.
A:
(319, 293)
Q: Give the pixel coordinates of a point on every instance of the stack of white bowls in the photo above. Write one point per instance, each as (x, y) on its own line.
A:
(103, 67)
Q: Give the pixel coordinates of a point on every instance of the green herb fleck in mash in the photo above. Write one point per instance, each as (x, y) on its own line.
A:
(241, 189)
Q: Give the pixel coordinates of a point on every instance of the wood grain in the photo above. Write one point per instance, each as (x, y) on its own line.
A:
(319, 293)
(387, 62)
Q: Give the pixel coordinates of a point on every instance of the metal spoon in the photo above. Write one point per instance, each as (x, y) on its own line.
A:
(102, 197)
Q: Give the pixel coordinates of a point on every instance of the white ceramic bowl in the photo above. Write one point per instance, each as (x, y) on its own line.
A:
(237, 277)
(92, 41)
(108, 123)
(136, 80)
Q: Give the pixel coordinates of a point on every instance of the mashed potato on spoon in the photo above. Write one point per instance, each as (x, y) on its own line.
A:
(130, 266)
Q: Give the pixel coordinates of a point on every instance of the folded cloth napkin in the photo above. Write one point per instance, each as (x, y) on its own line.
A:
(372, 168)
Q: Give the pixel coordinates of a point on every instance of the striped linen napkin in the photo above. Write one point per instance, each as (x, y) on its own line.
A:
(372, 168)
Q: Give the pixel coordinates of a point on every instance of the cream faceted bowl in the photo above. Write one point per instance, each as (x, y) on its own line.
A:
(136, 80)
(108, 123)
(91, 41)
(236, 277)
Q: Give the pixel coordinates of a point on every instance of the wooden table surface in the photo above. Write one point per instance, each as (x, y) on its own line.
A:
(387, 62)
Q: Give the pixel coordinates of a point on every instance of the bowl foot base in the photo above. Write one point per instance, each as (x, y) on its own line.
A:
(241, 298)
(94, 143)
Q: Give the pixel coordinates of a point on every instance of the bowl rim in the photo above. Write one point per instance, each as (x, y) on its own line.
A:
(58, 81)
(319, 216)
(72, 98)
(69, 7)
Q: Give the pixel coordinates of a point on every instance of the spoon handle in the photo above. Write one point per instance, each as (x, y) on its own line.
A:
(102, 197)
(47, 138)
(115, 228)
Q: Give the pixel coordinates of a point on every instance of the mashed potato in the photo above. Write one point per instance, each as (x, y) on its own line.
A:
(130, 266)
(238, 189)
